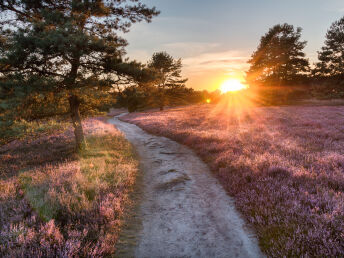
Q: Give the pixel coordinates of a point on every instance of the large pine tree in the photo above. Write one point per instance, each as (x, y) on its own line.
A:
(279, 58)
(66, 45)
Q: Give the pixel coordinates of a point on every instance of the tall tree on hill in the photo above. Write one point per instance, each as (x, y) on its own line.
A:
(331, 56)
(279, 58)
(168, 74)
(54, 45)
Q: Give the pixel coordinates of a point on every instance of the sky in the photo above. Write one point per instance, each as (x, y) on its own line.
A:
(215, 38)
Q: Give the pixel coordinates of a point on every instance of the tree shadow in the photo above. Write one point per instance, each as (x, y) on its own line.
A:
(23, 155)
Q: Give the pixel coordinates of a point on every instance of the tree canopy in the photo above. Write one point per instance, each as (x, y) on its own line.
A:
(279, 58)
(331, 56)
(67, 42)
(168, 74)
(54, 45)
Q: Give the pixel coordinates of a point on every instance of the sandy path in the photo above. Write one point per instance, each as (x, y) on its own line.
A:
(185, 212)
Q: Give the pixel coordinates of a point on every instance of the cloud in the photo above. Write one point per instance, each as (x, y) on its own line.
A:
(229, 62)
(189, 49)
(206, 64)
(183, 49)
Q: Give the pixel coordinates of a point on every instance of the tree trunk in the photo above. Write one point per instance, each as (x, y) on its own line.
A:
(74, 103)
(161, 99)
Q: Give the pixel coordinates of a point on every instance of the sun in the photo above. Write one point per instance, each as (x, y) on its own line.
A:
(232, 85)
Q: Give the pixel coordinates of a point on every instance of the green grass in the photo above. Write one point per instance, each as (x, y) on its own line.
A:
(56, 201)
(107, 164)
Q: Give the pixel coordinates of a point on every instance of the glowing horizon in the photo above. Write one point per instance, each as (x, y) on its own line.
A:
(215, 41)
(232, 85)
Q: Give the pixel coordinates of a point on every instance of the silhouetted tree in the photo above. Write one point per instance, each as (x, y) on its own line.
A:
(331, 56)
(168, 74)
(133, 98)
(54, 45)
(279, 58)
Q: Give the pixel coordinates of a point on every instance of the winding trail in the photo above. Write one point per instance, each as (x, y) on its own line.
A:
(185, 212)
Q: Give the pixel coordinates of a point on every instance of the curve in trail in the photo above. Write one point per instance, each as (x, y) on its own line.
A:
(185, 212)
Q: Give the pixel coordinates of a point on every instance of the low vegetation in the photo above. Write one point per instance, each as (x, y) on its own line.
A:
(25, 129)
(62, 60)
(283, 165)
(54, 202)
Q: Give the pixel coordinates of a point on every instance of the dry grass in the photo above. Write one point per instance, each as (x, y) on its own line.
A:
(56, 203)
(283, 165)
(29, 130)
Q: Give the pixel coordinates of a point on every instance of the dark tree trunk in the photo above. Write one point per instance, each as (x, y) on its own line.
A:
(74, 103)
(161, 99)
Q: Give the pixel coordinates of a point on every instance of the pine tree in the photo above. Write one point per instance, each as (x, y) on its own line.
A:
(168, 75)
(279, 58)
(331, 56)
(54, 45)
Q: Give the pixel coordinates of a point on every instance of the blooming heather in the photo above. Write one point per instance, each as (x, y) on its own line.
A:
(55, 203)
(283, 165)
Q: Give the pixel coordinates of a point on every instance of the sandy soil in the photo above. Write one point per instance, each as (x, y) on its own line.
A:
(185, 212)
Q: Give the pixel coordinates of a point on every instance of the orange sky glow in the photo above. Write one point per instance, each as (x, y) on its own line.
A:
(215, 39)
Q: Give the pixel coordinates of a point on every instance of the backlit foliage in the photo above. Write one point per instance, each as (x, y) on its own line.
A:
(279, 58)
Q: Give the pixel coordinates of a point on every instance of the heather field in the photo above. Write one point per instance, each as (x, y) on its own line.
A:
(57, 203)
(284, 166)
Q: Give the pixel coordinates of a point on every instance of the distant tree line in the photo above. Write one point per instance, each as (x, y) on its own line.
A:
(59, 57)
(165, 87)
(280, 61)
